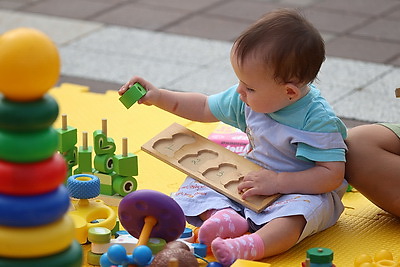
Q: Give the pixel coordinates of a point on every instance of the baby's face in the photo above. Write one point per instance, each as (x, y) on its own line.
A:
(257, 87)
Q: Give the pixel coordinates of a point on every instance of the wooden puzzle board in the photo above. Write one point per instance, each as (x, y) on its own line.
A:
(206, 161)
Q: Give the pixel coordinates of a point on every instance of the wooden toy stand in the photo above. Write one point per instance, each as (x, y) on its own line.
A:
(207, 162)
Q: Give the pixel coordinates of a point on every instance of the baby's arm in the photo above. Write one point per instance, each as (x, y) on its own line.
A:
(189, 105)
(322, 178)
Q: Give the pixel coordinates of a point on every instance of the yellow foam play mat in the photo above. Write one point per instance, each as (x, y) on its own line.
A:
(362, 229)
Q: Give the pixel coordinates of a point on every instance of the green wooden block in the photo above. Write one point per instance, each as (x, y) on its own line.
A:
(126, 166)
(78, 171)
(116, 228)
(69, 173)
(104, 177)
(106, 190)
(105, 182)
(85, 159)
(123, 185)
(104, 163)
(132, 95)
(67, 138)
(103, 144)
(70, 156)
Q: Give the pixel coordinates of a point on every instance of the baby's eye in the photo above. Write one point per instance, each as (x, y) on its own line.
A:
(250, 89)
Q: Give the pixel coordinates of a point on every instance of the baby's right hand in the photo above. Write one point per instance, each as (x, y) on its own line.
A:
(151, 90)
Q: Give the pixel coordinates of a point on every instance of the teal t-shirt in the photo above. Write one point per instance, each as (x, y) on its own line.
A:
(311, 113)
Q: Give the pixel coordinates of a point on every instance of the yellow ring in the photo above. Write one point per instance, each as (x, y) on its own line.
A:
(40, 241)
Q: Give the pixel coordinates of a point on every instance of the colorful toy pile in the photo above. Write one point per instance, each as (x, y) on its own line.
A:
(34, 227)
(85, 210)
(114, 171)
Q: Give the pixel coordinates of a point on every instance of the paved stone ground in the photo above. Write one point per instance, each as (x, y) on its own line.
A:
(184, 44)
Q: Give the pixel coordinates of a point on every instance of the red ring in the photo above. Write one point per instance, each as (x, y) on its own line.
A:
(32, 178)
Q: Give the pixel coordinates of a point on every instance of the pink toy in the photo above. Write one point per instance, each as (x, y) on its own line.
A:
(230, 138)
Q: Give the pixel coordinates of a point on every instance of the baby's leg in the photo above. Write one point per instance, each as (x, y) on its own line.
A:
(222, 223)
(275, 237)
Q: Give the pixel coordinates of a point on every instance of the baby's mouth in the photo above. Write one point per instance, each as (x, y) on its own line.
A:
(241, 98)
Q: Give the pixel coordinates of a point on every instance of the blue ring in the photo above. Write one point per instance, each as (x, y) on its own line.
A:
(85, 188)
(27, 211)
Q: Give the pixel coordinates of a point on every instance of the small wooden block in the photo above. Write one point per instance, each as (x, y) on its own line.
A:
(206, 161)
(85, 159)
(70, 156)
(126, 166)
(104, 163)
(105, 179)
(67, 139)
(132, 95)
(123, 185)
(106, 189)
(103, 144)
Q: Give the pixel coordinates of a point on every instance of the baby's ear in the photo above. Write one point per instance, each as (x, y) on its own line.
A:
(292, 91)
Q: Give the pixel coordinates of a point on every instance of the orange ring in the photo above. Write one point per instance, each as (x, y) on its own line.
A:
(32, 178)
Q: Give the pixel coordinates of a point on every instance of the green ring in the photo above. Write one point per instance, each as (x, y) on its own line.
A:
(99, 235)
(72, 257)
(104, 163)
(28, 116)
(93, 259)
(28, 146)
(120, 183)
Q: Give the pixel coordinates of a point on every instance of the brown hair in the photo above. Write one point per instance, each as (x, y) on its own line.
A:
(287, 42)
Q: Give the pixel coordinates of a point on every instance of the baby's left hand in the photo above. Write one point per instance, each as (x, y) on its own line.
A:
(263, 182)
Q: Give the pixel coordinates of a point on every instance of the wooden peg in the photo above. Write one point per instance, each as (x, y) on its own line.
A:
(84, 140)
(124, 146)
(104, 126)
(64, 122)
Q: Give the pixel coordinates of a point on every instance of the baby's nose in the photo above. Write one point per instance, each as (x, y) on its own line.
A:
(240, 90)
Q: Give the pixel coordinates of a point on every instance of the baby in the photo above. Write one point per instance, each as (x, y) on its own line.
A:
(294, 135)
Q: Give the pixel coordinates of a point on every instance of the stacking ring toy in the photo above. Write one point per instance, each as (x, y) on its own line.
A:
(27, 211)
(71, 257)
(32, 178)
(38, 241)
(28, 146)
(28, 116)
(147, 213)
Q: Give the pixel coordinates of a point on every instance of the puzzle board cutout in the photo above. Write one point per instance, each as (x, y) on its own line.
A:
(207, 162)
